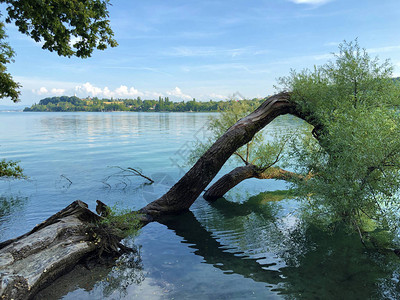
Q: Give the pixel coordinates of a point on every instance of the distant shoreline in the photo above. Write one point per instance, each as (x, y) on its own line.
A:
(75, 104)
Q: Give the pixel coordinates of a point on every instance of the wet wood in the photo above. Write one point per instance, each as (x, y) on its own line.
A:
(33, 260)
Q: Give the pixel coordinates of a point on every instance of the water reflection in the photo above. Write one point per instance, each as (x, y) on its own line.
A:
(188, 227)
(256, 240)
(9, 204)
(108, 281)
(295, 259)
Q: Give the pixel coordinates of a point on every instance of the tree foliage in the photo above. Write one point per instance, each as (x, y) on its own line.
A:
(11, 169)
(354, 154)
(8, 87)
(67, 27)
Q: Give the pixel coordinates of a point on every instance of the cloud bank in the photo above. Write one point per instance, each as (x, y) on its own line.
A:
(90, 90)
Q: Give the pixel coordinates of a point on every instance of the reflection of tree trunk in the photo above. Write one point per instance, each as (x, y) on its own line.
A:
(182, 195)
(237, 175)
(187, 226)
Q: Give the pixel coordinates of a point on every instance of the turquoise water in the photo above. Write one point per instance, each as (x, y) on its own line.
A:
(244, 247)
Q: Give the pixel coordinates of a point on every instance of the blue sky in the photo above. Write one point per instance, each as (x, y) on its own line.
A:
(207, 49)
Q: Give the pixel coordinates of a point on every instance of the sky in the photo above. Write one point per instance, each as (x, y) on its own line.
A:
(210, 49)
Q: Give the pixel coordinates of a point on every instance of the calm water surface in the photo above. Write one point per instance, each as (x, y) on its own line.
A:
(245, 247)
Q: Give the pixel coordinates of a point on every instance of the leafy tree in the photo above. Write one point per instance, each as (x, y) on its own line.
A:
(348, 161)
(69, 28)
(354, 151)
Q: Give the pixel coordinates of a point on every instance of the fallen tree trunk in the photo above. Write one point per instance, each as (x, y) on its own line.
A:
(182, 195)
(239, 174)
(32, 261)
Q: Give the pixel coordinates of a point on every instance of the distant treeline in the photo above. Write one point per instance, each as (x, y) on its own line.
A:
(65, 103)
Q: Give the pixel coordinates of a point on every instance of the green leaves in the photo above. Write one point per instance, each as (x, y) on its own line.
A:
(356, 157)
(8, 87)
(68, 27)
(11, 169)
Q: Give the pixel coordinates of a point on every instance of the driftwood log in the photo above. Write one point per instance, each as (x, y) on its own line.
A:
(32, 260)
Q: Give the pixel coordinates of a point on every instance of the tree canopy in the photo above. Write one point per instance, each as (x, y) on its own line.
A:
(347, 159)
(354, 154)
(69, 28)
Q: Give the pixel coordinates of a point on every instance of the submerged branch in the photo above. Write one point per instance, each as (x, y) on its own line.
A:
(126, 172)
(139, 173)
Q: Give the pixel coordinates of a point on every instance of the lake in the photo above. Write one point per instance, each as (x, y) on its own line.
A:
(248, 246)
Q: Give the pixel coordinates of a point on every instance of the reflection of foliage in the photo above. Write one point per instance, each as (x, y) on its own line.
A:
(318, 262)
(127, 271)
(9, 204)
(264, 204)
(312, 263)
(104, 279)
(11, 169)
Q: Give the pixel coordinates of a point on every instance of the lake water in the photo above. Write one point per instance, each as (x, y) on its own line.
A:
(245, 247)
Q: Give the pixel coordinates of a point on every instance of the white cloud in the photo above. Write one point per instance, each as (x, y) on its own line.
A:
(106, 92)
(312, 2)
(330, 44)
(58, 92)
(215, 96)
(88, 89)
(131, 92)
(212, 51)
(41, 91)
(177, 92)
(74, 40)
(323, 56)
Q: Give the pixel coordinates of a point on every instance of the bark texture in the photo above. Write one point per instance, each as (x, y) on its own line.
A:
(182, 195)
(32, 261)
(237, 175)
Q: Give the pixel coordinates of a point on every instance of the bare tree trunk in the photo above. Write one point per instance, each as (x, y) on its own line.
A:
(182, 195)
(237, 175)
